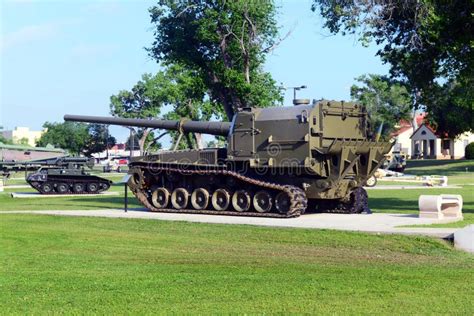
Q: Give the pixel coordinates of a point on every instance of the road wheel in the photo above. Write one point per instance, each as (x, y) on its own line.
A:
(200, 198)
(92, 187)
(282, 202)
(371, 182)
(180, 198)
(160, 198)
(262, 201)
(241, 201)
(78, 187)
(62, 188)
(221, 199)
(47, 187)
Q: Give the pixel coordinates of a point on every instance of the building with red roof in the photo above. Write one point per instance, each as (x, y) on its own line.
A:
(423, 142)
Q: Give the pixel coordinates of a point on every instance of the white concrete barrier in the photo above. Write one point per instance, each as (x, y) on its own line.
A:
(440, 206)
(464, 239)
(439, 181)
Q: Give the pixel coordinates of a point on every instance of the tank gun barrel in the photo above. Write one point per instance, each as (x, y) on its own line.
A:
(212, 128)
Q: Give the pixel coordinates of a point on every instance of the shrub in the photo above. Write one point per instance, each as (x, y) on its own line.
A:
(469, 154)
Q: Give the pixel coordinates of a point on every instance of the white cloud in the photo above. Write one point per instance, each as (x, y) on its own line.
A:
(28, 34)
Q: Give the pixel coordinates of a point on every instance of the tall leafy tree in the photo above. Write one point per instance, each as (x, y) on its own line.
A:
(450, 114)
(174, 89)
(99, 139)
(68, 135)
(77, 138)
(425, 42)
(224, 43)
(387, 101)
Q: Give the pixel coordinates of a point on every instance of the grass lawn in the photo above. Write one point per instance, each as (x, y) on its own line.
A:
(53, 264)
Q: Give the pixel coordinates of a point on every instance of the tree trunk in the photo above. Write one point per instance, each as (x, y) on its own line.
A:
(198, 138)
(141, 143)
(247, 68)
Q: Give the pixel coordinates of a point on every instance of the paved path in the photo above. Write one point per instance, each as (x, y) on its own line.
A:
(17, 186)
(374, 223)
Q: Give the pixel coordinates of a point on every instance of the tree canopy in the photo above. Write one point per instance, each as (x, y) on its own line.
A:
(224, 44)
(98, 140)
(428, 44)
(5, 140)
(77, 138)
(175, 90)
(68, 135)
(387, 101)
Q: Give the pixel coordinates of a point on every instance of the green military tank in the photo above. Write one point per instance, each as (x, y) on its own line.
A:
(279, 162)
(66, 175)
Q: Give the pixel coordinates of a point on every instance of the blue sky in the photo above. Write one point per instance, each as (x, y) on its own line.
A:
(59, 57)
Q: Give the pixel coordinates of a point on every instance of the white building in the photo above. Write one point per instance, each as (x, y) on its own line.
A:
(20, 133)
(424, 142)
(427, 144)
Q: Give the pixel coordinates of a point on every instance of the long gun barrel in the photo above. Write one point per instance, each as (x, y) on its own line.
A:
(212, 128)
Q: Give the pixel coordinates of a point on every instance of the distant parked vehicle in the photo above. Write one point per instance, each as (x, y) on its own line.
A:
(115, 165)
(397, 161)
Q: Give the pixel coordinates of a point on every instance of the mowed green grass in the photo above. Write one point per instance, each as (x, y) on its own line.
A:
(69, 265)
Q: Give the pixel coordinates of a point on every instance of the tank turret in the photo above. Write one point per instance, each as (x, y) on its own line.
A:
(279, 161)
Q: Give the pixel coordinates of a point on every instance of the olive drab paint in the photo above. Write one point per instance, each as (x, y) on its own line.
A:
(319, 154)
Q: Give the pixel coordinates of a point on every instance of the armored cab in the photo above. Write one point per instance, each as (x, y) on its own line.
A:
(279, 162)
(67, 175)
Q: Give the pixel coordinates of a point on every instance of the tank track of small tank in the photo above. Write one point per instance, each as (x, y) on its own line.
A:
(37, 185)
(298, 200)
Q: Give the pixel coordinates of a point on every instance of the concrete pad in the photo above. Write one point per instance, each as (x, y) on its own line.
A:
(29, 195)
(374, 223)
(464, 239)
(17, 186)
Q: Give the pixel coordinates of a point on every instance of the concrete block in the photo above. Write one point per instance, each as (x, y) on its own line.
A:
(464, 239)
(440, 206)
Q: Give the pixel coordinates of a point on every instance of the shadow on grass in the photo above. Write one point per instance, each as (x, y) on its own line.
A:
(106, 202)
(386, 205)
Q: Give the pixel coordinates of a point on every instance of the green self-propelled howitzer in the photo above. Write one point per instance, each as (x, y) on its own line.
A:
(279, 162)
(66, 175)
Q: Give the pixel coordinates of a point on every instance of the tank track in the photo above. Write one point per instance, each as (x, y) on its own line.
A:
(104, 185)
(357, 204)
(298, 200)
